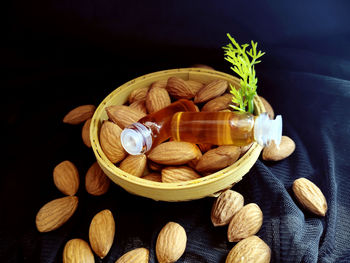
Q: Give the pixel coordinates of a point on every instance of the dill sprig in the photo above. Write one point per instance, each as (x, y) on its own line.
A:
(243, 62)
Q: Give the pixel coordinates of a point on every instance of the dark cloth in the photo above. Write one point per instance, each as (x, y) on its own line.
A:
(60, 54)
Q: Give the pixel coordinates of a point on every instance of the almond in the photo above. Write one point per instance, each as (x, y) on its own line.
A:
(211, 90)
(79, 114)
(77, 250)
(96, 182)
(85, 133)
(179, 89)
(218, 158)
(194, 86)
(202, 66)
(195, 161)
(273, 153)
(204, 147)
(66, 178)
(138, 255)
(110, 141)
(55, 213)
(219, 103)
(178, 174)
(245, 148)
(250, 250)
(101, 232)
(154, 166)
(268, 108)
(225, 206)
(138, 94)
(139, 105)
(160, 84)
(156, 177)
(246, 222)
(310, 196)
(123, 115)
(171, 243)
(134, 164)
(157, 99)
(174, 153)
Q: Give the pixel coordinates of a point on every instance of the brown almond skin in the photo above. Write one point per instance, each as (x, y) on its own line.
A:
(55, 213)
(157, 99)
(218, 158)
(138, 94)
(138, 255)
(219, 103)
(272, 153)
(155, 177)
(246, 222)
(250, 250)
(202, 66)
(85, 133)
(179, 89)
(310, 196)
(268, 108)
(101, 232)
(139, 105)
(110, 141)
(178, 174)
(194, 86)
(160, 84)
(79, 114)
(77, 250)
(225, 206)
(66, 178)
(134, 164)
(173, 153)
(211, 90)
(96, 181)
(154, 166)
(123, 115)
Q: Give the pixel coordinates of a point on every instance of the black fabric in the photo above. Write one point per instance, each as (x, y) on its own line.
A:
(60, 54)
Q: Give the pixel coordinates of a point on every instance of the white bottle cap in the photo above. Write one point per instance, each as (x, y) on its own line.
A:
(266, 130)
(136, 139)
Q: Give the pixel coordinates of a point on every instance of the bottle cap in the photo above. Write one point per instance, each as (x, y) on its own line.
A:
(136, 139)
(266, 130)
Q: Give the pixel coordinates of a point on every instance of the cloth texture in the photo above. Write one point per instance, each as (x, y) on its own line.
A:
(61, 54)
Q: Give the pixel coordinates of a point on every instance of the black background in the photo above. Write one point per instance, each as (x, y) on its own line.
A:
(56, 55)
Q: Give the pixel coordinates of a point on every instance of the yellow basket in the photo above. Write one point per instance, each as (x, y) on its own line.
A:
(209, 185)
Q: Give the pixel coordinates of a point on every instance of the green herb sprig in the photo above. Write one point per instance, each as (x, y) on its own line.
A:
(243, 65)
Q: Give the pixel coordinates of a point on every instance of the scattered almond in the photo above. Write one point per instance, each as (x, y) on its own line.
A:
(110, 141)
(272, 153)
(123, 115)
(134, 164)
(219, 103)
(268, 108)
(85, 133)
(250, 250)
(218, 158)
(138, 255)
(310, 196)
(179, 89)
(178, 174)
(171, 243)
(77, 250)
(246, 222)
(157, 99)
(96, 181)
(66, 177)
(156, 177)
(139, 105)
(225, 206)
(79, 114)
(101, 232)
(138, 94)
(55, 213)
(211, 90)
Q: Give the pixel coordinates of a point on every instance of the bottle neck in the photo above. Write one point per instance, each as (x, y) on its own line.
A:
(136, 139)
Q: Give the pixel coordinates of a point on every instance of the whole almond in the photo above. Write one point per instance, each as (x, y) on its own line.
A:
(211, 90)
(202, 66)
(123, 115)
(139, 105)
(160, 84)
(310, 196)
(55, 213)
(96, 181)
(195, 161)
(173, 153)
(77, 250)
(155, 177)
(218, 158)
(179, 89)
(157, 99)
(245, 148)
(66, 177)
(246, 222)
(101, 232)
(138, 255)
(219, 103)
(138, 94)
(194, 86)
(154, 166)
(134, 164)
(204, 147)
(273, 153)
(79, 114)
(171, 243)
(110, 141)
(250, 250)
(225, 206)
(268, 108)
(178, 174)
(85, 133)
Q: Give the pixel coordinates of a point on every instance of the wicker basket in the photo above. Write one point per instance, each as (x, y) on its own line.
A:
(209, 185)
